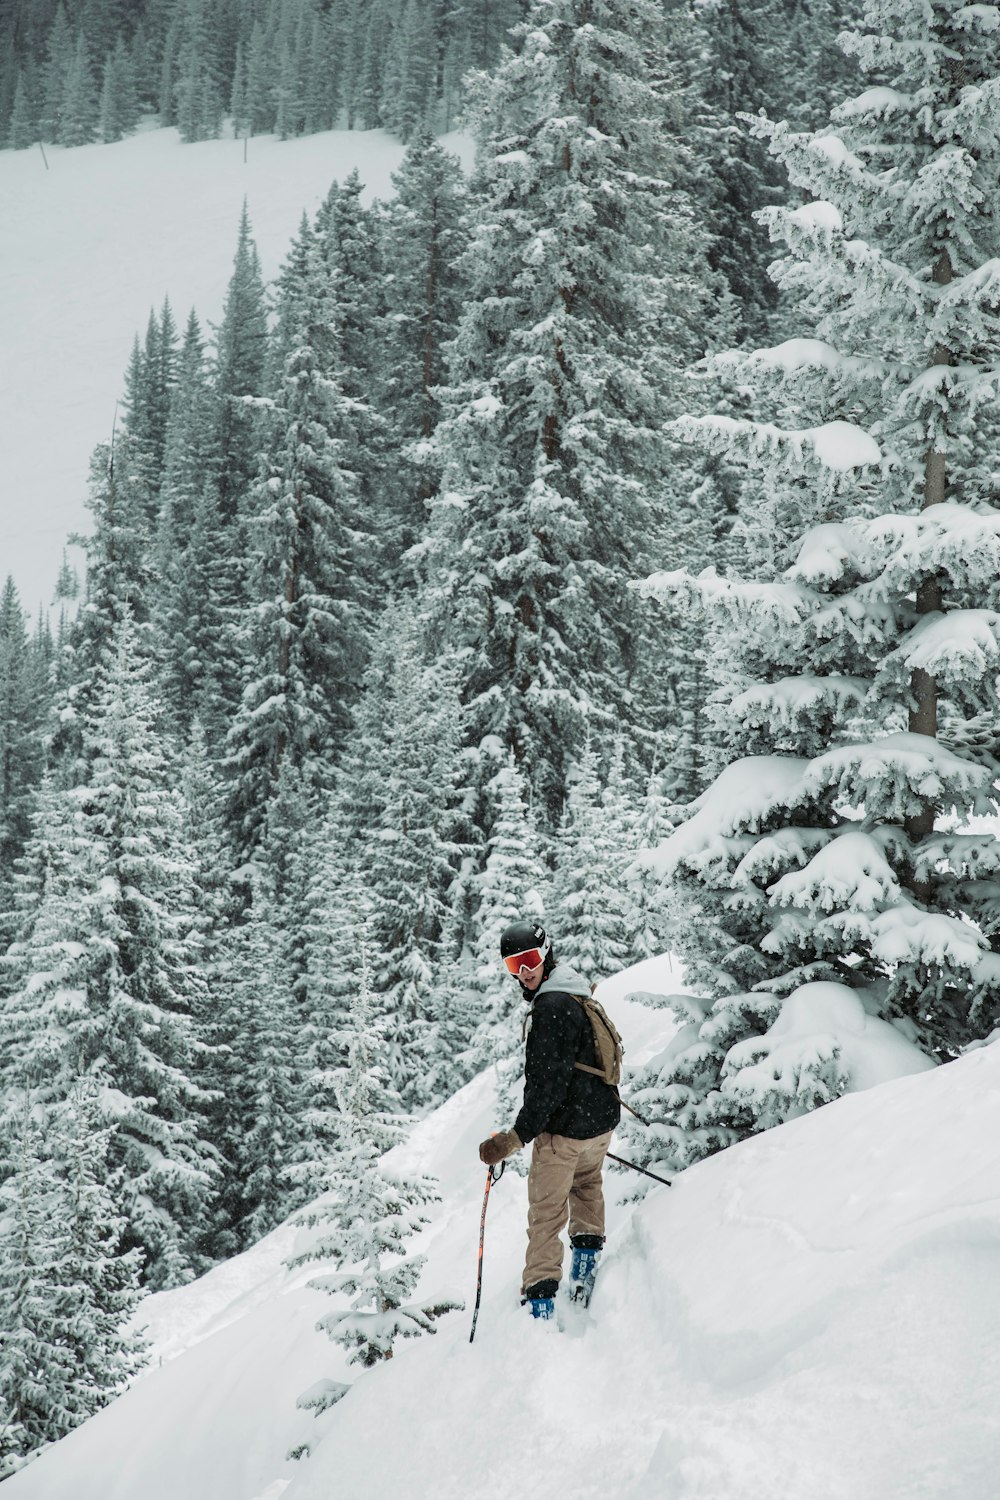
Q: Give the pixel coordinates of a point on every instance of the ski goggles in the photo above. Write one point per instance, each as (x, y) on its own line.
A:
(529, 959)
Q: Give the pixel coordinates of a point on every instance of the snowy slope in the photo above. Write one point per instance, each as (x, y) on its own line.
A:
(813, 1313)
(86, 249)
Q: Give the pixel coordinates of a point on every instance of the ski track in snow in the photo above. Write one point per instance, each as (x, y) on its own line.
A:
(815, 1312)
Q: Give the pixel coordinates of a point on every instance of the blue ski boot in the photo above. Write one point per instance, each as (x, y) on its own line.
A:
(541, 1299)
(583, 1266)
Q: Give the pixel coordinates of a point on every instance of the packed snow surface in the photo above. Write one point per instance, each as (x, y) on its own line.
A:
(815, 1312)
(87, 248)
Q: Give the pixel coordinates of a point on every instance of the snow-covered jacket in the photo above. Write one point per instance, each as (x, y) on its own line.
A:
(559, 1097)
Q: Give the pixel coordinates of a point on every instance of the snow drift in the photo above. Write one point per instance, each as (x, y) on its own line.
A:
(816, 1311)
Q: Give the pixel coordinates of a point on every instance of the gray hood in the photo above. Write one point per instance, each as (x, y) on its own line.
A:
(564, 977)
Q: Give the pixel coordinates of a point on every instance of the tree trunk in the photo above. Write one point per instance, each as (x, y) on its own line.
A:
(923, 717)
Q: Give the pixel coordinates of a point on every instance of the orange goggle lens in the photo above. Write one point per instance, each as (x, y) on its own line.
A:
(529, 959)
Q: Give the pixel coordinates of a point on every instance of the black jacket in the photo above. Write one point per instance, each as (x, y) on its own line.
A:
(558, 1097)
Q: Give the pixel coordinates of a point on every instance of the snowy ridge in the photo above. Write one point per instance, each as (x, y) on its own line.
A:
(816, 1311)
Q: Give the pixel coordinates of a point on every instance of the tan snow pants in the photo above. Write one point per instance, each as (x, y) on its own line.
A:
(564, 1182)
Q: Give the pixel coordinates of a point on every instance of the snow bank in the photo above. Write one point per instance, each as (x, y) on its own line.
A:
(815, 1312)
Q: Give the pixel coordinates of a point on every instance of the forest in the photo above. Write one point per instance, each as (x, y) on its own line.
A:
(608, 536)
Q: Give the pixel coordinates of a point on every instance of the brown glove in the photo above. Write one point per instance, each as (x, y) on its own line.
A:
(499, 1147)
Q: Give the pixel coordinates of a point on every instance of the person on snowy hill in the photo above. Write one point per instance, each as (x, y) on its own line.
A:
(569, 1113)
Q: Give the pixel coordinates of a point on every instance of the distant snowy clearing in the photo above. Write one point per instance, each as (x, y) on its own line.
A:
(86, 249)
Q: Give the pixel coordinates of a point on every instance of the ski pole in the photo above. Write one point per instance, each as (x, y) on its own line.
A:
(492, 1176)
(667, 1181)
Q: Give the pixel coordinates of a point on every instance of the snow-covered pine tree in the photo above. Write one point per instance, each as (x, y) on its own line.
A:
(259, 1029)
(410, 737)
(197, 89)
(67, 1289)
(335, 904)
(422, 234)
(118, 111)
(828, 873)
(370, 1212)
(78, 107)
(409, 82)
(23, 128)
(552, 447)
(223, 1015)
(104, 977)
(348, 238)
(118, 584)
(192, 641)
(306, 617)
(56, 65)
(25, 694)
(586, 901)
(241, 359)
(150, 382)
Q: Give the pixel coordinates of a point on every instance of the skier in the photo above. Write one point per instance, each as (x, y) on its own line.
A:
(570, 1115)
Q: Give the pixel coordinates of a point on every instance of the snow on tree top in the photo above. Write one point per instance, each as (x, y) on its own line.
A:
(842, 445)
(743, 794)
(905, 934)
(822, 1016)
(964, 643)
(985, 17)
(825, 552)
(926, 768)
(834, 149)
(850, 870)
(820, 215)
(796, 355)
(791, 695)
(873, 102)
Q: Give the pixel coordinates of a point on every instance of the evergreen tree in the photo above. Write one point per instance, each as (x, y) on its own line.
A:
(150, 382)
(22, 129)
(305, 623)
(24, 694)
(66, 1288)
(258, 99)
(554, 461)
(370, 1213)
(56, 68)
(118, 583)
(423, 235)
(264, 1097)
(586, 900)
(192, 641)
(410, 77)
(78, 109)
(827, 865)
(240, 365)
(417, 760)
(322, 69)
(238, 95)
(118, 111)
(349, 242)
(197, 90)
(104, 978)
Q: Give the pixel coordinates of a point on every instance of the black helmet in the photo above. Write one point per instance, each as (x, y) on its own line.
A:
(520, 936)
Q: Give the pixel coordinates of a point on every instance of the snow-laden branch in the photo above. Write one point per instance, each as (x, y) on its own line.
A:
(834, 445)
(801, 356)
